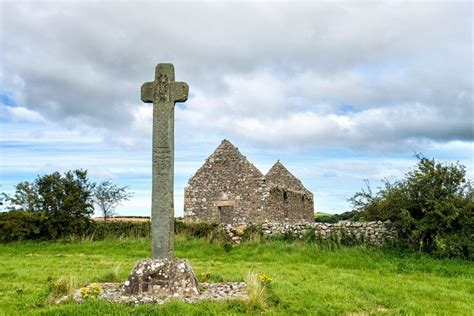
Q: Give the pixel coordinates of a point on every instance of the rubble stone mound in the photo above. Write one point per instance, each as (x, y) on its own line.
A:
(162, 278)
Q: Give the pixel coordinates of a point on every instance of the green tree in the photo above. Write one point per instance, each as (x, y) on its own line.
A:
(25, 198)
(61, 204)
(67, 200)
(433, 207)
(4, 198)
(107, 196)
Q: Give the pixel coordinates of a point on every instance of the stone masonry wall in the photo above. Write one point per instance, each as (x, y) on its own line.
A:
(226, 189)
(287, 206)
(371, 232)
(289, 201)
(229, 189)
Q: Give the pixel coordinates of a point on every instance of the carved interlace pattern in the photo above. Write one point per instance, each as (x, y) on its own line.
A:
(162, 88)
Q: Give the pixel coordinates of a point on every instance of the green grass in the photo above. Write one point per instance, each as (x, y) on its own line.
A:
(306, 279)
(322, 214)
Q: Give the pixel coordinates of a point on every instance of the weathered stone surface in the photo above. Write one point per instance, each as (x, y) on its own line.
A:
(113, 292)
(229, 189)
(239, 230)
(162, 278)
(163, 92)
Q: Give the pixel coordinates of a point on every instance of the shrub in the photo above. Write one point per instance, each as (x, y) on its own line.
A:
(67, 201)
(213, 232)
(57, 289)
(347, 238)
(433, 208)
(326, 218)
(310, 235)
(52, 206)
(228, 247)
(253, 232)
(196, 230)
(21, 225)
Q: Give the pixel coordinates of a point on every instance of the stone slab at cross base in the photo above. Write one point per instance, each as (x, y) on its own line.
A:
(163, 278)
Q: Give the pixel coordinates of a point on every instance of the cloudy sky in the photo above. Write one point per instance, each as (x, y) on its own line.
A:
(338, 91)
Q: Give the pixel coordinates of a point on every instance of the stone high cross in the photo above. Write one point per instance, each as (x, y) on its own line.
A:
(163, 93)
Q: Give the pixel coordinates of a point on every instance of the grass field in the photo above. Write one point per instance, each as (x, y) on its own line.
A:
(306, 279)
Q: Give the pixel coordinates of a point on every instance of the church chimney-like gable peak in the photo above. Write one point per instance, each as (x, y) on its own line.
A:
(227, 157)
(280, 176)
(226, 145)
(225, 151)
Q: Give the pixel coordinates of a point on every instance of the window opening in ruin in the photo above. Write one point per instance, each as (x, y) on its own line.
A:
(285, 195)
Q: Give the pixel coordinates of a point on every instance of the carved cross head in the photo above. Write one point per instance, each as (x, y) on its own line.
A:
(164, 89)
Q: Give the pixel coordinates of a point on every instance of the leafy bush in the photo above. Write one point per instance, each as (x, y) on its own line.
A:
(52, 206)
(21, 225)
(433, 207)
(211, 231)
(67, 200)
(57, 206)
(228, 247)
(253, 232)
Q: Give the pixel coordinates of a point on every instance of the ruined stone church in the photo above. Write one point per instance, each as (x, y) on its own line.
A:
(231, 190)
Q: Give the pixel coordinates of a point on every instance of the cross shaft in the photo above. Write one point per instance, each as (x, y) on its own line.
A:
(163, 92)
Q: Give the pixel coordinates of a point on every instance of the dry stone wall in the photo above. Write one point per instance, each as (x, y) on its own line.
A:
(375, 233)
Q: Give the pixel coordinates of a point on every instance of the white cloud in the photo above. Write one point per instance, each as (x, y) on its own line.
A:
(20, 114)
(373, 79)
(248, 65)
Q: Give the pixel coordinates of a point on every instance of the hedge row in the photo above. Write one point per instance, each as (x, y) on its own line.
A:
(21, 225)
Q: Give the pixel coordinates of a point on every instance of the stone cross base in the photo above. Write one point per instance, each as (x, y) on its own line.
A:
(163, 278)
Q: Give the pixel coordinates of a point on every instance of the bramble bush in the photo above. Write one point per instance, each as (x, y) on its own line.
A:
(433, 208)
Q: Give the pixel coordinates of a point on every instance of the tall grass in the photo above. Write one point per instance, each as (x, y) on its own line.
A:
(57, 289)
(258, 297)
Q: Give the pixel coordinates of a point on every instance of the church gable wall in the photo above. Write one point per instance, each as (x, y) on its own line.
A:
(231, 190)
(227, 188)
(287, 206)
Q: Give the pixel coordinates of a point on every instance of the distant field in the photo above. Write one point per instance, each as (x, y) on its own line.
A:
(321, 215)
(122, 219)
(318, 214)
(307, 280)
